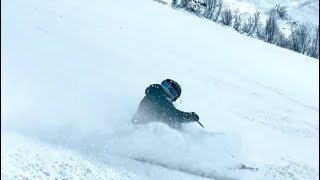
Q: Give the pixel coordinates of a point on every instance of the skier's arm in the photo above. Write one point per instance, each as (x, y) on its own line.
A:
(180, 116)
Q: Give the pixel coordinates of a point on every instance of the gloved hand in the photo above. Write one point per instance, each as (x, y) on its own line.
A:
(194, 116)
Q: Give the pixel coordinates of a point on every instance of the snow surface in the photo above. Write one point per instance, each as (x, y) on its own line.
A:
(74, 72)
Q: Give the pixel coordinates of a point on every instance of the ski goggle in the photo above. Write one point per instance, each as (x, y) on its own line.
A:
(171, 89)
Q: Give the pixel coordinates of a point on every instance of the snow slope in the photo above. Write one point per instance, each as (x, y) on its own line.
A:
(73, 73)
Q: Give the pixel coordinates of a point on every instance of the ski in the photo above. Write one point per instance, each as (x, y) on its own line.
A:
(209, 175)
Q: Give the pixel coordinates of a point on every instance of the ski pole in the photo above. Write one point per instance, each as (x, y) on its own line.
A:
(200, 124)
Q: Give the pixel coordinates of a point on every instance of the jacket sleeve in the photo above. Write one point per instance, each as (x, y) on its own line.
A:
(180, 116)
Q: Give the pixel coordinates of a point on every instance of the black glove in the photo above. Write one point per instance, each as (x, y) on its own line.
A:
(194, 116)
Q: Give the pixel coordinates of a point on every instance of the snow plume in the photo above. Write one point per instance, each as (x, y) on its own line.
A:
(71, 113)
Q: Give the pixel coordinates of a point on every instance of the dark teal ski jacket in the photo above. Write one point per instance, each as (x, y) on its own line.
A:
(156, 106)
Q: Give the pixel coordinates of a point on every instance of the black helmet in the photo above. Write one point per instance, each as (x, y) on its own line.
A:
(173, 88)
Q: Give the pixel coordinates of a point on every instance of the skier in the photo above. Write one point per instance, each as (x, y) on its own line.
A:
(157, 106)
